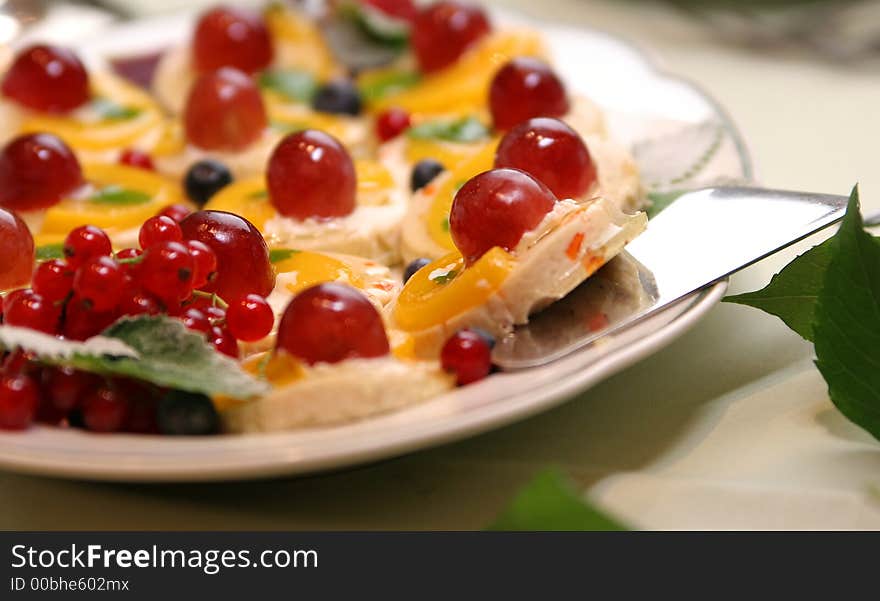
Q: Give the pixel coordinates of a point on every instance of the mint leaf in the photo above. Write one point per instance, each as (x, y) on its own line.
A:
(112, 111)
(119, 196)
(50, 251)
(276, 255)
(550, 502)
(378, 25)
(792, 293)
(466, 129)
(293, 85)
(53, 349)
(847, 322)
(393, 82)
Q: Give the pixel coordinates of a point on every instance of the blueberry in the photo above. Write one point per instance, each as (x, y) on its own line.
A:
(424, 171)
(204, 179)
(413, 267)
(339, 97)
(187, 414)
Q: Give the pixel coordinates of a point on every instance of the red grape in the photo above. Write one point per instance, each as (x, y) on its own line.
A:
(525, 88)
(243, 265)
(17, 250)
(250, 319)
(551, 152)
(47, 78)
(136, 158)
(444, 30)
(496, 208)
(224, 111)
(19, 398)
(167, 272)
(329, 323)
(231, 37)
(99, 282)
(36, 172)
(310, 174)
(392, 123)
(53, 280)
(159, 229)
(85, 242)
(468, 355)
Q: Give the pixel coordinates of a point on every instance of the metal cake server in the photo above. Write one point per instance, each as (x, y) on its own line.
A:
(702, 237)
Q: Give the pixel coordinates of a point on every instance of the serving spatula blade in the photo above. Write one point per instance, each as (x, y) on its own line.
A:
(702, 237)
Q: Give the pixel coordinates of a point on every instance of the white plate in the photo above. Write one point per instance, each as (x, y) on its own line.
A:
(681, 137)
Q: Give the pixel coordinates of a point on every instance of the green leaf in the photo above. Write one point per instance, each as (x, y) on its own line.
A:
(276, 255)
(792, 293)
(444, 278)
(50, 251)
(119, 196)
(377, 25)
(112, 111)
(551, 502)
(466, 129)
(294, 85)
(847, 322)
(378, 87)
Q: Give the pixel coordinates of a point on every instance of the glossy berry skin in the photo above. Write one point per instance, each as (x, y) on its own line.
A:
(338, 97)
(128, 259)
(48, 79)
(27, 309)
(413, 267)
(204, 263)
(310, 174)
(496, 208)
(19, 398)
(167, 272)
(137, 158)
(159, 229)
(223, 341)
(329, 323)
(104, 410)
(187, 414)
(224, 111)
(53, 280)
(250, 319)
(231, 37)
(525, 88)
(177, 212)
(196, 321)
(443, 31)
(424, 173)
(392, 123)
(468, 355)
(85, 242)
(81, 322)
(243, 265)
(17, 250)
(552, 153)
(36, 172)
(138, 302)
(99, 282)
(204, 179)
(66, 387)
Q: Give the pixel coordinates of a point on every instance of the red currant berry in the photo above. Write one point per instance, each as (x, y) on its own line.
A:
(159, 229)
(36, 172)
(30, 310)
(392, 123)
(552, 153)
(47, 79)
(17, 250)
(329, 323)
(444, 30)
(129, 260)
(82, 322)
(19, 398)
(223, 340)
(468, 355)
(65, 387)
(167, 272)
(525, 88)
(53, 280)
(136, 158)
(99, 282)
(243, 265)
(250, 319)
(138, 302)
(196, 321)
(224, 111)
(311, 174)
(177, 212)
(205, 262)
(496, 208)
(85, 242)
(231, 37)
(104, 410)
(217, 315)
(18, 362)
